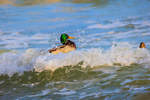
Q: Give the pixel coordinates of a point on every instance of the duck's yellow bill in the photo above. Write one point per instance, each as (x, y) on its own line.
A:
(71, 37)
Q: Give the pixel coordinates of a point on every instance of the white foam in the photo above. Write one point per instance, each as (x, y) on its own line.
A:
(11, 62)
(122, 53)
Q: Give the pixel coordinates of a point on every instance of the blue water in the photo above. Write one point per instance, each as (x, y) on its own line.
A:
(107, 32)
(73, 18)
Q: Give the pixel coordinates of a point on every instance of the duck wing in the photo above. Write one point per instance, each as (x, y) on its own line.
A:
(55, 49)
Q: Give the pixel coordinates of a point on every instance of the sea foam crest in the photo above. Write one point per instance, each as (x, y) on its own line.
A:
(123, 54)
(120, 53)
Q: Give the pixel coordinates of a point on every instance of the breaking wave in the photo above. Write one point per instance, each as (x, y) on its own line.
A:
(120, 54)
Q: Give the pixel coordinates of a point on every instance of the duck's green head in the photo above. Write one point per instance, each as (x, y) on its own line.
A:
(64, 37)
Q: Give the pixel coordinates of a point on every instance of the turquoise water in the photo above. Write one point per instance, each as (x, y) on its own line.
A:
(107, 65)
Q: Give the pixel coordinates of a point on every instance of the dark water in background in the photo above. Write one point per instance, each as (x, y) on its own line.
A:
(107, 65)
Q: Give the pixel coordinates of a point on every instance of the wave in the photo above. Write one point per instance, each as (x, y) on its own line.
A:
(120, 54)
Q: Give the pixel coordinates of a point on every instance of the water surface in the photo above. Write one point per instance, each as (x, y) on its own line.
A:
(107, 65)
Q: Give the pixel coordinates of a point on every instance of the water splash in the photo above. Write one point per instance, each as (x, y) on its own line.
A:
(122, 54)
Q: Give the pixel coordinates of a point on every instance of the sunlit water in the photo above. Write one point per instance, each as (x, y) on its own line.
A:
(107, 65)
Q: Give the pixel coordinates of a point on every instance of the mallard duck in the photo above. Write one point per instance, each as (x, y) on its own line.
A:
(142, 45)
(66, 47)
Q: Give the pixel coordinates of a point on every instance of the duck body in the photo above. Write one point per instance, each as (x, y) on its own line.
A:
(65, 48)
